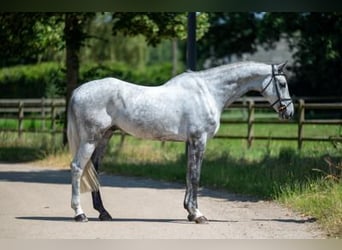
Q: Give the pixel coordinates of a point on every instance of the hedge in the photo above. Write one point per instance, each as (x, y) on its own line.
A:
(48, 79)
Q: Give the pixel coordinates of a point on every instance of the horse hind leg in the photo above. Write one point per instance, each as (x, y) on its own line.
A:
(80, 161)
(96, 159)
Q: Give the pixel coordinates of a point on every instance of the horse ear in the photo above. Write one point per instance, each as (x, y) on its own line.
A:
(281, 66)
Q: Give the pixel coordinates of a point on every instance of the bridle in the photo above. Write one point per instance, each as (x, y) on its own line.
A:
(282, 107)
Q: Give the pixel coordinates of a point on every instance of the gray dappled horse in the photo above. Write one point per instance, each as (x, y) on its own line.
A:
(186, 108)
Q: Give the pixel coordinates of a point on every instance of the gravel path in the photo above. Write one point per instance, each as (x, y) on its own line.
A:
(35, 203)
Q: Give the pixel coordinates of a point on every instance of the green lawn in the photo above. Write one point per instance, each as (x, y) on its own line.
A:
(28, 124)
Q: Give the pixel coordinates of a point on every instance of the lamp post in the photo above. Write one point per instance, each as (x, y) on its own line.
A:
(191, 41)
(191, 50)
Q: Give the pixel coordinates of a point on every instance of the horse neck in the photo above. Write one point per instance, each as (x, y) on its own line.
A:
(228, 83)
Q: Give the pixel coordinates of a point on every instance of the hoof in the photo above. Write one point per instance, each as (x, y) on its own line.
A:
(191, 217)
(201, 220)
(198, 220)
(105, 216)
(81, 218)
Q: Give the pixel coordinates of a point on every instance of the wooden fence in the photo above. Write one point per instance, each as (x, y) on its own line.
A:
(299, 121)
(48, 111)
(51, 114)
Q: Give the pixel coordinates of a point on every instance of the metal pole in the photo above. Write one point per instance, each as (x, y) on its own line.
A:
(191, 50)
(191, 41)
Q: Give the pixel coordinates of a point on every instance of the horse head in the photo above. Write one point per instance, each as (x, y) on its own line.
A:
(275, 90)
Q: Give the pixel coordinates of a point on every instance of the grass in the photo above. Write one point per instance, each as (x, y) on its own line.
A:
(32, 147)
(270, 169)
(320, 199)
(28, 124)
(261, 170)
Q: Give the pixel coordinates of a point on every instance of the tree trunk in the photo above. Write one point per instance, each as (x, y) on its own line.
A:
(73, 44)
(174, 56)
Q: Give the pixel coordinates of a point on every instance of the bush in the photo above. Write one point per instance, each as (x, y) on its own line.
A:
(31, 81)
(48, 79)
(151, 75)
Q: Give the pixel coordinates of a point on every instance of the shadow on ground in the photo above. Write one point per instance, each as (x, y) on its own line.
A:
(149, 220)
(38, 175)
(262, 178)
(20, 154)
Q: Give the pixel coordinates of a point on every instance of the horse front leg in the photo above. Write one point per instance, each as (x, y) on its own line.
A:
(196, 148)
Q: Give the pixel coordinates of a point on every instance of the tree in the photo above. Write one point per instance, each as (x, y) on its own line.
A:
(156, 26)
(229, 33)
(317, 38)
(74, 36)
(103, 46)
(28, 37)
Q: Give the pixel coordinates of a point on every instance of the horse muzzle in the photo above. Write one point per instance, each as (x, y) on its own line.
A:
(285, 111)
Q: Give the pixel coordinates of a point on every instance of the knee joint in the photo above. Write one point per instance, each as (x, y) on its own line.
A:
(75, 169)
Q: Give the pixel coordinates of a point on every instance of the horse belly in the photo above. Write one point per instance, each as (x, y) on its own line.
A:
(153, 123)
(152, 130)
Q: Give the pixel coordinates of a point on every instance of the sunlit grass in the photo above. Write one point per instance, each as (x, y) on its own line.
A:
(28, 124)
(320, 199)
(29, 147)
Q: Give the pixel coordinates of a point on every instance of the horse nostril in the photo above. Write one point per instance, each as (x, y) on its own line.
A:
(282, 108)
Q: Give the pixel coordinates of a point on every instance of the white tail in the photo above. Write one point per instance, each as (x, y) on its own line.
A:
(89, 179)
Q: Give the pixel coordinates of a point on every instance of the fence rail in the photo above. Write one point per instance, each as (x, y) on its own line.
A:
(46, 110)
(51, 112)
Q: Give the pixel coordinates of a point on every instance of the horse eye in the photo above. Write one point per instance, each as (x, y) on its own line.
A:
(282, 84)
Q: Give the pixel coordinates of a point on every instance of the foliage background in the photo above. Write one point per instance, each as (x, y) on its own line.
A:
(139, 40)
(48, 79)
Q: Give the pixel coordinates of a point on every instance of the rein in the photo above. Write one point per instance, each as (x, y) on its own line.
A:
(282, 107)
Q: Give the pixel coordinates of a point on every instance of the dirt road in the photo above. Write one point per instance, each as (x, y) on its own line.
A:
(35, 203)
